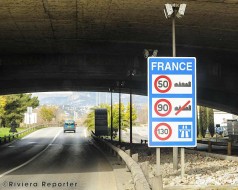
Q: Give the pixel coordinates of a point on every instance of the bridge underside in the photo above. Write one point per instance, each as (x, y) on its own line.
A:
(93, 45)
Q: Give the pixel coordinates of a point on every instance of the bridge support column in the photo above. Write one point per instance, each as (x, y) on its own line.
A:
(111, 117)
(130, 117)
(119, 128)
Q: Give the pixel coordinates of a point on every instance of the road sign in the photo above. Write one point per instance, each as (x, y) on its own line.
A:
(162, 107)
(172, 101)
(162, 84)
(163, 131)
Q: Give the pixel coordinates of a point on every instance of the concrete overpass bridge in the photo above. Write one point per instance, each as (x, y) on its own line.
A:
(49, 45)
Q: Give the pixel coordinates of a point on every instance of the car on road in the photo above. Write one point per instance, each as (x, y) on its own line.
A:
(222, 130)
(70, 125)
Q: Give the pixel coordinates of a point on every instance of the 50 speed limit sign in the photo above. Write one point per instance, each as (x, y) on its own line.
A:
(162, 84)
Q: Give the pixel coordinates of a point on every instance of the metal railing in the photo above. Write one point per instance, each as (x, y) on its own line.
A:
(11, 137)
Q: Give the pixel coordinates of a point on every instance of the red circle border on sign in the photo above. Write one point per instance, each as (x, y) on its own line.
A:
(156, 131)
(157, 88)
(169, 110)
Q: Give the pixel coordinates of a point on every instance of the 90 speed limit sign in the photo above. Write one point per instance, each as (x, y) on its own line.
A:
(162, 107)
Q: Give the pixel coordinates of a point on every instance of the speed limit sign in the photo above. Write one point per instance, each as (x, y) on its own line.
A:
(172, 101)
(162, 107)
(162, 84)
(163, 131)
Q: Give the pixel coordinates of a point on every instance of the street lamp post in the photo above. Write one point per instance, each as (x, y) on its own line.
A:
(120, 84)
(172, 11)
(111, 116)
(132, 73)
(119, 122)
(173, 37)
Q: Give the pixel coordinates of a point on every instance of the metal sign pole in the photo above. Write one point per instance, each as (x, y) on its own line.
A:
(182, 162)
(159, 184)
(175, 149)
(175, 158)
(173, 36)
(158, 161)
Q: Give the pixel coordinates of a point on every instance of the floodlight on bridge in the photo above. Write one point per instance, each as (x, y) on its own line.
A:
(168, 11)
(172, 10)
(155, 53)
(150, 53)
(146, 53)
(133, 72)
(181, 10)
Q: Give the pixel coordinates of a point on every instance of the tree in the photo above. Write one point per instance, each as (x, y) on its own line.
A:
(203, 120)
(2, 108)
(127, 115)
(210, 121)
(2, 105)
(142, 114)
(16, 106)
(198, 123)
(89, 121)
(47, 113)
(115, 112)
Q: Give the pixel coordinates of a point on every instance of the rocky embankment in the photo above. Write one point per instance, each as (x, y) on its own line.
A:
(201, 171)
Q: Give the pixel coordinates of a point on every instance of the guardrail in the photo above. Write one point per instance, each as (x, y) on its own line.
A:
(143, 141)
(139, 178)
(229, 145)
(13, 136)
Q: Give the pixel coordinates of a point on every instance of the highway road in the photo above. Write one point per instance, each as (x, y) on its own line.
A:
(142, 133)
(138, 133)
(50, 159)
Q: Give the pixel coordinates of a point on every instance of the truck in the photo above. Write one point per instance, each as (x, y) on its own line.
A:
(101, 125)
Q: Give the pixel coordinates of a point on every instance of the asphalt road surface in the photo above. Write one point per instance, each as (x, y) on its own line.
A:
(138, 133)
(50, 159)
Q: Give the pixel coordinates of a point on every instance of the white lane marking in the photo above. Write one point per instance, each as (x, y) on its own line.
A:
(33, 158)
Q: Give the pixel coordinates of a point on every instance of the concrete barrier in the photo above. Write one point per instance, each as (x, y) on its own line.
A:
(139, 179)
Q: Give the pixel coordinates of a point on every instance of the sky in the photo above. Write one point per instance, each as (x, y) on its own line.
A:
(49, 97)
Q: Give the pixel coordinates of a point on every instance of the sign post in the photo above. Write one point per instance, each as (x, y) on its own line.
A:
(172, 102)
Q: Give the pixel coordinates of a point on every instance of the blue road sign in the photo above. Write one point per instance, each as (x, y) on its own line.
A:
(184, 131)
(172, 101)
